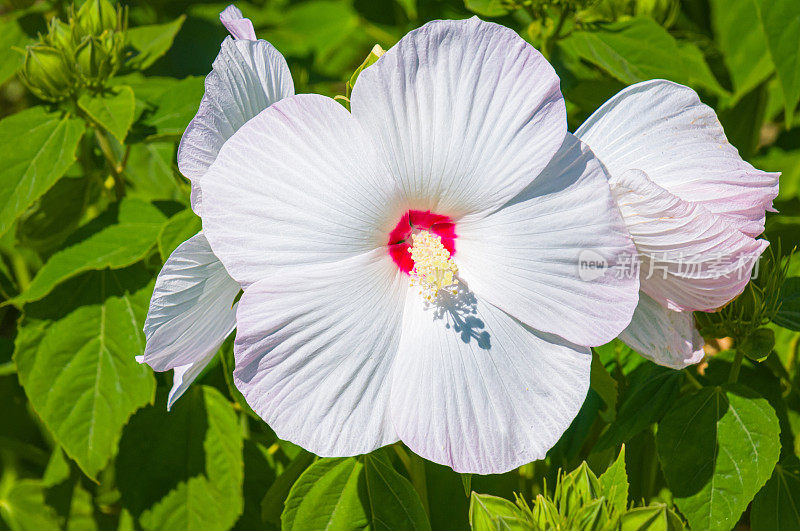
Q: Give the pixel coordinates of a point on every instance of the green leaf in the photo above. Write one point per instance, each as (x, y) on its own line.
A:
(151, 173)
(175, 107)
(153, 41)
(787, 162)
(466, 480)
(603, 384)
(758, 345)
(651, 391)
(697, 70)
(656, 517)
(639, 49)
(496, 514)
(781, 22)
(22, 508)
(487, 8)
(614, 483)
(788, 315)
(373, 56)
(11, 36)
(183, 469)
(350, 493)
(272, 504)
(56, 215)
(75, 357)
(33, 166)
(717, 447)
(777, 505)
(739, 36)
(115, 246)
(177, 230)
(112, 110)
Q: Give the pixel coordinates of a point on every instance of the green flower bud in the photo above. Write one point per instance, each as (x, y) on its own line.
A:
(59, 36)
(95, 60)
(96, 16)
(47, 73)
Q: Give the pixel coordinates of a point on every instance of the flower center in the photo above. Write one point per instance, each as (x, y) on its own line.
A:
(434, 270)
(413, 222)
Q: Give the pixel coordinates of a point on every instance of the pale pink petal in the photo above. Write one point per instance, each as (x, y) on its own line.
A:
(464, 112)
(192, 310)
(184, 376)
(526, 257)
(314, 351)
(234, 22)
(691, 258)
(297, 184)
(476, 390)
(247, 77)
(663, 129)
(667, 337)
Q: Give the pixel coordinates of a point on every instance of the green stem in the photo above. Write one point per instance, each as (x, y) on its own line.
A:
(733, 376)
(115, 166)
(20, 271)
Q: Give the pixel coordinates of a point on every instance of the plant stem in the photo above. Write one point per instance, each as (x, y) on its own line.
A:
(733, 376)
(115, 166)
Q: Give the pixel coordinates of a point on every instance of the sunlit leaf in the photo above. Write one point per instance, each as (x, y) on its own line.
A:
(153, 41)
(717, 447)
(111, 110)
(75, 357)
(190, 476)
(116, 245)
(490, 513)
(738, 34)
(352, 493)
(29, 169)
(781, 21)
(177, 230)
(614, 483)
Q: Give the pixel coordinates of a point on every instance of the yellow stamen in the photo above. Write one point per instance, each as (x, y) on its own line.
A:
(434, 269)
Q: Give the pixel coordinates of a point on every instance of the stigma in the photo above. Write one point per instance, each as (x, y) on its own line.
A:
(434, 270)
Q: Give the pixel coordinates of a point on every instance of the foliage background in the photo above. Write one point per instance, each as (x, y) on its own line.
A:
(92, 204)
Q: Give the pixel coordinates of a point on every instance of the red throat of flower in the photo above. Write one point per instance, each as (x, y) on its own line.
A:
(400, 240)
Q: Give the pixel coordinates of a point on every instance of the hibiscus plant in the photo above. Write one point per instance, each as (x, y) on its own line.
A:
(400, 264)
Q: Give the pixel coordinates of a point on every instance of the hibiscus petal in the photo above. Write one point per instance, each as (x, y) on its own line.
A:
(525, 257)
(248, 76)
(234, 21)
(191, 311)
(297, 184)
(691, 258)
(465, 112)
(663, 129)
(183, 377)
(667, 337)
(314, 351)
(476, 390)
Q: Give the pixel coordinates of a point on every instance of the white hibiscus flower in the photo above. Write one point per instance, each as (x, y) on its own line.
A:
(691, 204)
(192, 311)
(411, 270)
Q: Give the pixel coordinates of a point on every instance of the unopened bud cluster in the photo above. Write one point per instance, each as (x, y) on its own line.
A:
(85, 52)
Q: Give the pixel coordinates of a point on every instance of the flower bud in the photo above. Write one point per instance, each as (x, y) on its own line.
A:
(47, 73)
(59, 36)
(95, 60)
(96, 16)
